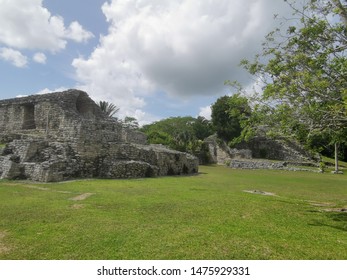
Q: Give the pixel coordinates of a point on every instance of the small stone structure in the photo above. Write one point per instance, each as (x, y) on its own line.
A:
(279, 148)
(257, 164)
(64, 135)
(268, 164)
(261, 153)
(220, 153)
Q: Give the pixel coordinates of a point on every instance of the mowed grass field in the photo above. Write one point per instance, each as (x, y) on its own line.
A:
(208, 216)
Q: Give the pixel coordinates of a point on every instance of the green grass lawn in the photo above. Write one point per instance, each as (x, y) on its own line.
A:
(208, 216)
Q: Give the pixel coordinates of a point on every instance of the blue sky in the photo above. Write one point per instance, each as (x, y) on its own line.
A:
(152, 58)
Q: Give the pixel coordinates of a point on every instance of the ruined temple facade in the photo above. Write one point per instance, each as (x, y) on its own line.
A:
(64, 135)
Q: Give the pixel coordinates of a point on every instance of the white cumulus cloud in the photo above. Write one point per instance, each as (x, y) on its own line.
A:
(40, 58)
(15, 57)
(26, 24)
(76, 33)
(183, 48)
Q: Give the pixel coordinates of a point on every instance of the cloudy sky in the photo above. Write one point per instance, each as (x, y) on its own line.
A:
(152, 58)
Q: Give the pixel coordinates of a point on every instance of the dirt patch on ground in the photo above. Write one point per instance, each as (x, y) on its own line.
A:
(82, 196)
(260, 192)
(77, 206)
(320, 204)
(339, 210)
(66, 192)
(45, 189)
(36, 188)
(28, 186)
(328, 207)
(3, 247)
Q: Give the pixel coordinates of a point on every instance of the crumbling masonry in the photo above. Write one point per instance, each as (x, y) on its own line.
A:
(64, 135)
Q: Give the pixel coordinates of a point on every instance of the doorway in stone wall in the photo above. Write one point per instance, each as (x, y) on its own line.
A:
(29, 116)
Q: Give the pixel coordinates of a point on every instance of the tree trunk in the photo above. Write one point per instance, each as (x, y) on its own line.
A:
(336, 158)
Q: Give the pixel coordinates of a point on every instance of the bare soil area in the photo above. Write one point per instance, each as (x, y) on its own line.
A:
(81, 196)
(3, 247)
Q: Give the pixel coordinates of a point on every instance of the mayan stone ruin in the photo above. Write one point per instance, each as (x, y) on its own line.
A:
(64, 135)
(261, 152)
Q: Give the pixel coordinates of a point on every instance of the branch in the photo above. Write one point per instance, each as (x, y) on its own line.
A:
(342, 11)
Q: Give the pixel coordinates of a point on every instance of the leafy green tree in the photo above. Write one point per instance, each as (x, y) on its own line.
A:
(228, 113)
(180, 133)
(109, 109)
(179, 130)
(304, 73)
(160, 137)
(202, 128)
(131, 122)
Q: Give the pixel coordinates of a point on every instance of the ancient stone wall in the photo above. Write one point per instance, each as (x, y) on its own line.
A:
(65, 135)
(273, 165)
(277, 149)
(221, 153)
(46, 111)
(246, 154)
(257, 164)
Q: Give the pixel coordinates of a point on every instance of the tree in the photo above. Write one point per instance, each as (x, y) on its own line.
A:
(107, 108)
(202, 128)
(228, 113)
(304, 75)
(180, 133)
(159, 137)
(130, 122)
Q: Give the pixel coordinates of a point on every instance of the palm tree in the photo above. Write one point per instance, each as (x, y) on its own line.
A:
(109, 109)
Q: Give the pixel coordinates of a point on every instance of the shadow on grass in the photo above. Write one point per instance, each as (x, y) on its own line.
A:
(339, 219)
